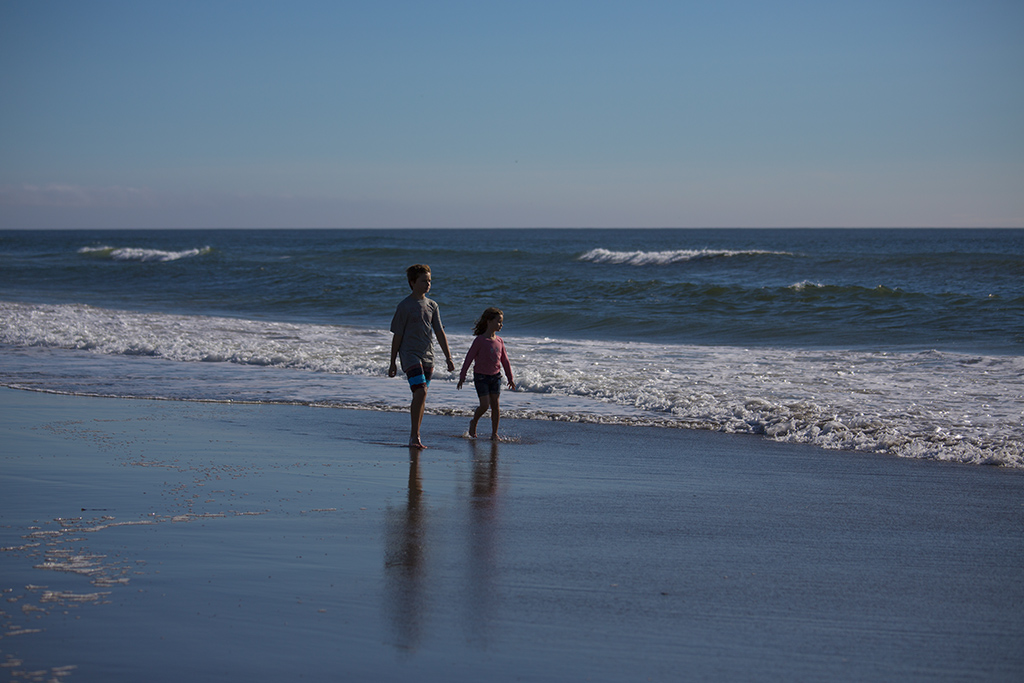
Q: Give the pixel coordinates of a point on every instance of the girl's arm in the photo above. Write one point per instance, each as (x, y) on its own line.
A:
(508, 368)
(474, 348)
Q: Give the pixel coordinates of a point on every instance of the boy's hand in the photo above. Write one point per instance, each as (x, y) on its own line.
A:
(459, 385)
(511, 385)
(392, 371)
(451, 365)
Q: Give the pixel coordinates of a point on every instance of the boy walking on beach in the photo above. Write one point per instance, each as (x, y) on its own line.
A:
(415, 318)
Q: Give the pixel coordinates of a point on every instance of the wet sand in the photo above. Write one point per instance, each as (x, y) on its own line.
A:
(166, 541)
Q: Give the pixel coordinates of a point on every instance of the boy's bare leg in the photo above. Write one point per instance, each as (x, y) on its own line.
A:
(416, 409)
(495, 416)
(477, 414)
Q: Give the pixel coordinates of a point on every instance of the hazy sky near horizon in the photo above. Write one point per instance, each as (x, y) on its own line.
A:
(560, 113)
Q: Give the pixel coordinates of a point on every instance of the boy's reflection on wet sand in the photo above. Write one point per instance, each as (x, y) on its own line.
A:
(404, 549)
(406, 556)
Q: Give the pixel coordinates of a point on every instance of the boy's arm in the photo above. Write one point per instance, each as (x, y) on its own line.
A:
(396, 342)
(442, 339)
(397, 326)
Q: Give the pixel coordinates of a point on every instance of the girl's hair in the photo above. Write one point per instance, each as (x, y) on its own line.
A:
(489, 315)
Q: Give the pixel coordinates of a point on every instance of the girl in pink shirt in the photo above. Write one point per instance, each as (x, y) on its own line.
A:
(488, 350)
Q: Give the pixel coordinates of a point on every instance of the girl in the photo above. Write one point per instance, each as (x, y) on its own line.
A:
(488, 350)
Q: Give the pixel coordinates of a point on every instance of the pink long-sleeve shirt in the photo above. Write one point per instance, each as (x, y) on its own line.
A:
(490, 357)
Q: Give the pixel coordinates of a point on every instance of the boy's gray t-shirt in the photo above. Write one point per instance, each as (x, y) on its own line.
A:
(414, 319)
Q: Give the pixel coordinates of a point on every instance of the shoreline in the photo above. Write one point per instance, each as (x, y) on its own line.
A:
(373, 394)
(173, 539)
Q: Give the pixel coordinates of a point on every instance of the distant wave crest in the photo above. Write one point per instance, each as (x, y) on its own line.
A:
(663, 258)
(140, 254)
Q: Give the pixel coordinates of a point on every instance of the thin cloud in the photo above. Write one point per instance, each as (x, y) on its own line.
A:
(63, 195)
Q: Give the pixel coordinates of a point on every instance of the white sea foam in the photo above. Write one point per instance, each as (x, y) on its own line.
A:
(139, 254)
(662, 258)
(930, 404)
(321, 348)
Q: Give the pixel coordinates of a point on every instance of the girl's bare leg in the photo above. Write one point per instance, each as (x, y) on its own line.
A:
(495, 415)
(477, 414)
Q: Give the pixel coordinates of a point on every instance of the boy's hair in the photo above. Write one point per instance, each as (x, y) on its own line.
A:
(489, 315)
(414, 272)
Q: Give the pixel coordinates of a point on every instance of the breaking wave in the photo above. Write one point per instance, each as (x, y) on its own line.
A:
(885, 402)
(664, 258)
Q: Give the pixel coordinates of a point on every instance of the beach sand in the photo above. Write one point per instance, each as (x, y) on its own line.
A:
(168, 541)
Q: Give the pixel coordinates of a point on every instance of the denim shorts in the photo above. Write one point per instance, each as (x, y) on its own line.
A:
(487, 384)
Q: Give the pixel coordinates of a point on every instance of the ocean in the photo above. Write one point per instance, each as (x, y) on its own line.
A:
(901, 342)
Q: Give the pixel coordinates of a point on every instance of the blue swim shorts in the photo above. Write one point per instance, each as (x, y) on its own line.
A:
(487, 384)
(419, 376)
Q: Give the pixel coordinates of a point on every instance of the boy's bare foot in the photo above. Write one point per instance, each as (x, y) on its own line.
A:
(417, 444)
(472, 429)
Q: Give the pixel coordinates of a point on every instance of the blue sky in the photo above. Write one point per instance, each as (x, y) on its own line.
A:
(518, 114)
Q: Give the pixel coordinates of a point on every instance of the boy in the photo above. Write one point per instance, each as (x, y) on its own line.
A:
(415, 318)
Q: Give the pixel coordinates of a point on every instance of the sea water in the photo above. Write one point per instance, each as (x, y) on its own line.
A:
(906, 342)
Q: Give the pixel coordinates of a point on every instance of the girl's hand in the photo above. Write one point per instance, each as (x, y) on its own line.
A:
(511, 385)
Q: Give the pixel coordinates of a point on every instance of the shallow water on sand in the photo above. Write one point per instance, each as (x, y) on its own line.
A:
(268, 542)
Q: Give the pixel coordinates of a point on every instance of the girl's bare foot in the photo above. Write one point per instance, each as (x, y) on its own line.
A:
(472, 428)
